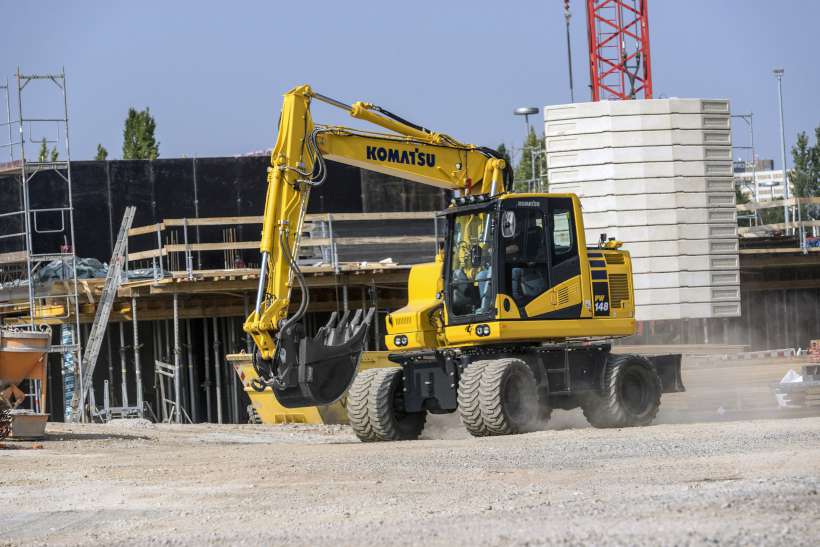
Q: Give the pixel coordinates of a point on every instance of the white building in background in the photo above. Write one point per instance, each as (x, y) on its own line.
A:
(769, 183)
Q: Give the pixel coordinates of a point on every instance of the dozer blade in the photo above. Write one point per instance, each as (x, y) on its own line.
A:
(318, 370)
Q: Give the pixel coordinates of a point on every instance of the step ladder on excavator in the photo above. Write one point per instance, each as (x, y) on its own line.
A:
(112, 284)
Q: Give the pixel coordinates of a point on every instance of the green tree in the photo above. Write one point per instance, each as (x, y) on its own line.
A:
(773, 215)
(805, 176)
(138, 136)
(524, 170)
(740, 196)
(502, 150)
(43, 154)
(54, 154)
(102, 153)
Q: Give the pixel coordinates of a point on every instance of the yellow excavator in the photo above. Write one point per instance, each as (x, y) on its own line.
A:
(512, 319)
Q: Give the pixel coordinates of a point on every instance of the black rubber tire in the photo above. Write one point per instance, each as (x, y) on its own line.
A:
(631, 396)
(469, 407)
(373, 407)
(508, 397)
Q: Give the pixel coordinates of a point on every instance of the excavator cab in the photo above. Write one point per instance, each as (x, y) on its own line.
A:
(511, 250)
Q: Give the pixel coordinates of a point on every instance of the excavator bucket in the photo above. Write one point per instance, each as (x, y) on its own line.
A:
(318, 370)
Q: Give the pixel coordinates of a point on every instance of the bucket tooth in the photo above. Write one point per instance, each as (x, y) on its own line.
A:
(331, 323)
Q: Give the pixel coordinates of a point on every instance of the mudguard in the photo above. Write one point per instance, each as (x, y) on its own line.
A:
(669, 371)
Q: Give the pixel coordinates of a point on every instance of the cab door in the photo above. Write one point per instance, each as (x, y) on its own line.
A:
(563, 241)
(563, 292)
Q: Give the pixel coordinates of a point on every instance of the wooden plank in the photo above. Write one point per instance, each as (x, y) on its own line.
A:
(178, 248)
(339, 217)
(778, 250)
(400, 215)
(778, 226)
(142, 230)
(12, 257)
(385, 240)
(305, 242)
(153, 253)
(777, 203)
(213, 221)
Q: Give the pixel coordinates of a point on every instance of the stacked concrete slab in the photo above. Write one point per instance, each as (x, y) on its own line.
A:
(657, 175)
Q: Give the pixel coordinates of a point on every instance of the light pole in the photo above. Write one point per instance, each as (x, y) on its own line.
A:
(527, 111)
(778, 73)
(567, 16)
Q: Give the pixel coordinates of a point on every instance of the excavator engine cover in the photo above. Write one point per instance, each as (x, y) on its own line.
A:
(318, 370)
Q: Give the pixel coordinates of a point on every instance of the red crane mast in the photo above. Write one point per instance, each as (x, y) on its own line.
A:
(619, 60)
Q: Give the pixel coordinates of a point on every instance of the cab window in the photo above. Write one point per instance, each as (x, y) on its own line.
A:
(524, 250)
(561, 232)
(471, 258)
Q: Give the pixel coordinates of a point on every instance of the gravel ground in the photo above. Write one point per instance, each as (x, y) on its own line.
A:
(734, 483)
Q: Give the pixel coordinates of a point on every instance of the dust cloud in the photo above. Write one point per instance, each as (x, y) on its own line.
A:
(717, 390)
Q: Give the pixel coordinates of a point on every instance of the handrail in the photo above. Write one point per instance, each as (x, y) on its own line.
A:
(163, 249)
(777, 203)
(777, 226)
(231, 221)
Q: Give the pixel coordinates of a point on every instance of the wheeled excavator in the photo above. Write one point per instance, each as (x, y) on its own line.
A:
(513, 318)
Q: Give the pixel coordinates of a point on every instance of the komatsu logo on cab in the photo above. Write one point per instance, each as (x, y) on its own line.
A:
(391, 155)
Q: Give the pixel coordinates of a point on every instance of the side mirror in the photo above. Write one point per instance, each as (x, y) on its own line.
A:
(508, 224)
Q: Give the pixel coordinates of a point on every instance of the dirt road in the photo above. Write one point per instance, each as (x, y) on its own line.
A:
(752, 482)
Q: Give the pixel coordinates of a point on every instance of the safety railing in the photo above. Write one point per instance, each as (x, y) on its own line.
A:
(176, 246)
(806, 230)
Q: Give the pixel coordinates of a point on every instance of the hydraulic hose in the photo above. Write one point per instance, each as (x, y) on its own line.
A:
(300, 279)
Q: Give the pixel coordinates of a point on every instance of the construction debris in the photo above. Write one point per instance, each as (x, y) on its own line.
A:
(799, 390)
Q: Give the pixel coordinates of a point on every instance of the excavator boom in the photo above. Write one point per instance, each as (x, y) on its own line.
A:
(302, 370)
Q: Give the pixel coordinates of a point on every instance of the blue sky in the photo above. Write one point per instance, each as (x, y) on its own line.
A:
(213, 72)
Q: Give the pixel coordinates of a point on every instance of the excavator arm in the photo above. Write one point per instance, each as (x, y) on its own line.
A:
(302, 370)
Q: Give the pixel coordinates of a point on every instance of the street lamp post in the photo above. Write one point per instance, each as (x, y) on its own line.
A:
(527, 111)
(778, 73)
(567, 16)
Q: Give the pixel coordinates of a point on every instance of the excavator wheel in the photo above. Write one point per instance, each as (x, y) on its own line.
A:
(374, 408)
(631, 396)
(469, 401)
(508, 397)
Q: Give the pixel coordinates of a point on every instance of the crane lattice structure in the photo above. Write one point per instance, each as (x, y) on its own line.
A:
(619, 61)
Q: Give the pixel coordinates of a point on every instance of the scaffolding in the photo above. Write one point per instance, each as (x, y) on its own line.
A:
(38, 235)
